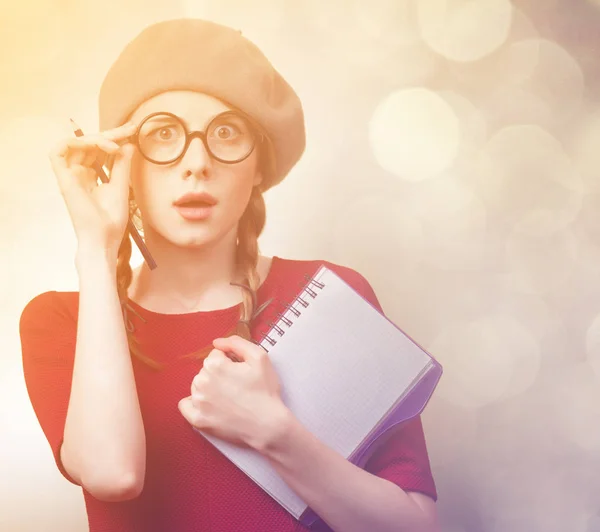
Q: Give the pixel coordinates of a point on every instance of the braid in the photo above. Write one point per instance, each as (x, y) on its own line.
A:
(250, 227)
(124, 278)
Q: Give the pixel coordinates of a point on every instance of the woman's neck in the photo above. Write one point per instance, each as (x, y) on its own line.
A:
(188, 279)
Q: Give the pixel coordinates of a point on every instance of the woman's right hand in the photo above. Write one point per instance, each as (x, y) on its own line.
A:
(99, 212)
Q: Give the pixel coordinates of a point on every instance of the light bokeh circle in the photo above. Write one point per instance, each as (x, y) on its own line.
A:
(391, 21)
(414, 134)
(464, 30)
(536, 81)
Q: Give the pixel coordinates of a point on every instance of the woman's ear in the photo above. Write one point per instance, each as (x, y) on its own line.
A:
(258, 178)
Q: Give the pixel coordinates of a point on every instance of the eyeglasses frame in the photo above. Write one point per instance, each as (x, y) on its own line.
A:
(191, 135)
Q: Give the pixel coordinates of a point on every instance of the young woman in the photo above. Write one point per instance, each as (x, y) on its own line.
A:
(196, 124)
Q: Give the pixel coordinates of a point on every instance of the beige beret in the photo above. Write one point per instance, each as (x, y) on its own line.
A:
(193, 54)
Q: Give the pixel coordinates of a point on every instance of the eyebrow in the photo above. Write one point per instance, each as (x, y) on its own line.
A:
(159, 119)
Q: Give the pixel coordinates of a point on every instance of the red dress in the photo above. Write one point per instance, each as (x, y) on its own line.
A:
(189, 485)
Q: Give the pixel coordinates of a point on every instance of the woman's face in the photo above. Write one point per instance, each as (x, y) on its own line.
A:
(157, 187)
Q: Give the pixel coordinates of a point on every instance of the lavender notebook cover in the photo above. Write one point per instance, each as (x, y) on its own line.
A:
(411, 406)
(327, 331)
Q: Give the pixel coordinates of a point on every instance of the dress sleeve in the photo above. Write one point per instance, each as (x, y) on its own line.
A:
(402, 457)
(48, 334)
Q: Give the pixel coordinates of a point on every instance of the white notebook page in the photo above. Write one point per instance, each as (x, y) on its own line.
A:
(342, 367)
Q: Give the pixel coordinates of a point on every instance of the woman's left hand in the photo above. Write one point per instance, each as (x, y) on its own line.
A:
(236, 401)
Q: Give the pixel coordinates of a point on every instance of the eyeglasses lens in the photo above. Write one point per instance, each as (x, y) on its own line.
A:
(162, 138)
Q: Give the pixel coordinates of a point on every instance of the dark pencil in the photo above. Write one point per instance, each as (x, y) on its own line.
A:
(130, 226)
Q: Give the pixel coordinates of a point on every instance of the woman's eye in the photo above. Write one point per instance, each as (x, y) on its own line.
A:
(163, 133)
(225, 132)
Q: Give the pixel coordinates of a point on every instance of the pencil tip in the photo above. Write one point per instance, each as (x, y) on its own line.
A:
(74, 126)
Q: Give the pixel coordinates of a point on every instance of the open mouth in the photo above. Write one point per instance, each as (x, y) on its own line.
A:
(195, 210)
(195, 204)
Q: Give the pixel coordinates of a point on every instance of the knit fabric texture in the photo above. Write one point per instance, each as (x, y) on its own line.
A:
(189, 485)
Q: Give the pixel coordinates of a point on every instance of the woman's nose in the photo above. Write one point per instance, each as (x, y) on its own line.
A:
(196, 160)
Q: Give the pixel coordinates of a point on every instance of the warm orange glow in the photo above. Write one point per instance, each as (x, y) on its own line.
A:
(453, 159)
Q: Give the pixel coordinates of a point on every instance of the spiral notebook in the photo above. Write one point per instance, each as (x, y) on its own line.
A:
(347, 373)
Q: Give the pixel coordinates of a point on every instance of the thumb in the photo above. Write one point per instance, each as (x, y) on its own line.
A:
(240, 347)
(186, 408)
(121, 170)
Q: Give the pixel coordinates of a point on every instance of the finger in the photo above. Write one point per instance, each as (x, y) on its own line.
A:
(216, 354)
(188, 411)
(101, 158)
(85, 176)
(75, 150)
(76, 196)
(199, 382)
(228, 355)
(120, 175)
(215, 361)
(77, 156)
(92, 158)
(121, 132)
(240, 346)
(86, 143)
(193, 415)
(86, 150)
(57, 158)
(69, 179)
(88, 157)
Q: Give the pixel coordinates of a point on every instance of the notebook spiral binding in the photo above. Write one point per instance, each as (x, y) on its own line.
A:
(310, 291)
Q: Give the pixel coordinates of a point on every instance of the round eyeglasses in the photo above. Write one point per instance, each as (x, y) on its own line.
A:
(163, 138)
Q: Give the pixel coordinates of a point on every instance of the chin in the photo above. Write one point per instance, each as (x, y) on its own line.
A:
(182, 236)
(194, 241)
(192, 234)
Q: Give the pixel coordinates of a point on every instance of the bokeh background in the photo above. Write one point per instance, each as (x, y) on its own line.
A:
(453, 159)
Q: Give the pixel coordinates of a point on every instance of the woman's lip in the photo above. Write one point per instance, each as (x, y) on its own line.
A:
(194, 213)
(202, 197)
